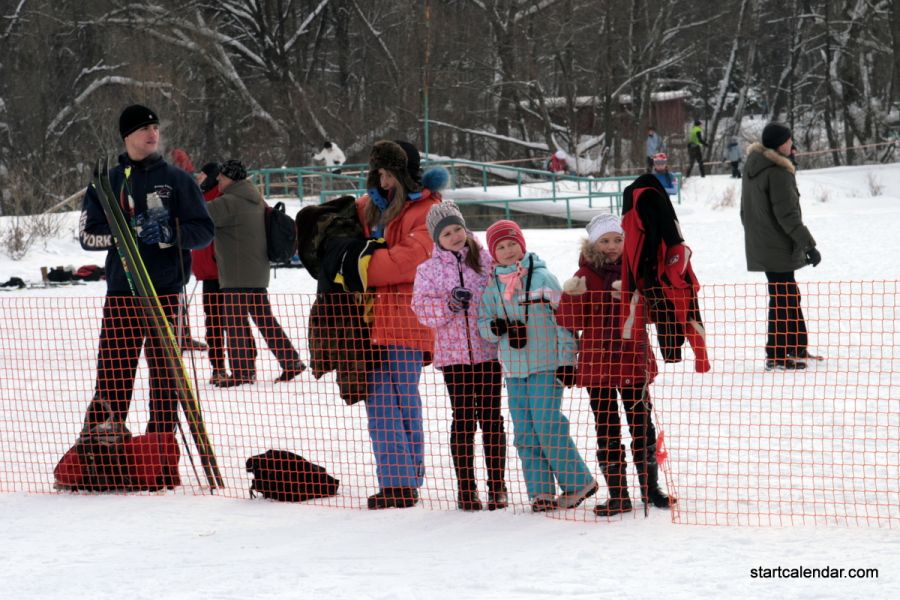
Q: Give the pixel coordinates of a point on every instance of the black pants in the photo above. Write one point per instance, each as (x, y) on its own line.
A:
(123, 333)
(609, 427)
(736, 169)
(475, 400)
(214, 312)
(787, 326)
(241, 305)
(695, 153)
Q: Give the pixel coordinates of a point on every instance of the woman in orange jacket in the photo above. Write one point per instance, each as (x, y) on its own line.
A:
(394, 209)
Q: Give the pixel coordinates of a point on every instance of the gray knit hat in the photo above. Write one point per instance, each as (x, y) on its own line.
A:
(441, 215)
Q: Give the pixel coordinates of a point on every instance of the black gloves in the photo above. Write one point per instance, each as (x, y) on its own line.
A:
(813, 257)
(566, 375)
(460, 297)
(499, 327)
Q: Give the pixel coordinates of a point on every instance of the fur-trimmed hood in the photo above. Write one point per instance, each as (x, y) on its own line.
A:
(591, 258)
(760, 158)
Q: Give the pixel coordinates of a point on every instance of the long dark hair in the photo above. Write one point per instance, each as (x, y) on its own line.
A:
(473, 258)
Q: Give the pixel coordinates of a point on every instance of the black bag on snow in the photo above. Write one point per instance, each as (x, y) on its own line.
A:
(281, 234)
(288, 477)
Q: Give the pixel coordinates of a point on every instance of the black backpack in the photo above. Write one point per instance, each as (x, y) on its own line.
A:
(281, 234)
(288, 477)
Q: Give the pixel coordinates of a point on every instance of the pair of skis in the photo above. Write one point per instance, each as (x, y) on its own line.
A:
(157, 322)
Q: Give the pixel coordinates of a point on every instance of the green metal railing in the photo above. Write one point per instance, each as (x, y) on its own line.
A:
(306, 181)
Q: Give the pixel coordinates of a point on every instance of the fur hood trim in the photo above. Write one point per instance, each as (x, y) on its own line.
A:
(773, 156)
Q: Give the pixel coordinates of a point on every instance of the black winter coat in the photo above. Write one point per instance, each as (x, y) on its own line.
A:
(182, 198)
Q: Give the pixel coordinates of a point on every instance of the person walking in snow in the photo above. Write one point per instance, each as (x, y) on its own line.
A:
(331, 155)
(538, 359)
(778, 243)
(395, 208)
(733, 157)
(610, 365)
(239, 215)
(205, 269)
(165, 238)
(695, 149)
(446, 297)
(653, 146)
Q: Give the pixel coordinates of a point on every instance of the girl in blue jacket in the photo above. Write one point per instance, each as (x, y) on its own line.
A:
(517, 311)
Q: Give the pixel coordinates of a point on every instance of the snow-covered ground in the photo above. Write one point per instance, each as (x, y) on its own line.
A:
(746, 447)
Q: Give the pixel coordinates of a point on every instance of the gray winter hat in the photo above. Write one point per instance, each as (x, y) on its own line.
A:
(441, 215)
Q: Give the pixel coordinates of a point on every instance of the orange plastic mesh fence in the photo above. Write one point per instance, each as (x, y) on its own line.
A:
(739, 445)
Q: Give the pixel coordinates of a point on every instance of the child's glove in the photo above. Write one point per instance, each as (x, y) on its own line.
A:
(575, 286)
(460, 297)
(617, 289)
(677, 260)
(566, 375)
(499, 327)
(813, 257)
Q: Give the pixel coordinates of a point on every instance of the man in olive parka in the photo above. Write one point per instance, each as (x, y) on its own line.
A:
(777, 242)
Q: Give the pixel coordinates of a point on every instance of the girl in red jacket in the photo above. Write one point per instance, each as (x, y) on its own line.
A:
(609, 365)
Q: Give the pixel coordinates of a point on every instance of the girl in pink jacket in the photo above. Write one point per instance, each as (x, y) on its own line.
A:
(446, 296)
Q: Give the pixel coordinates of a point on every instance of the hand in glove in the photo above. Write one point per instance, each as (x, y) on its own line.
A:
(566, 375)
(813, 257)
(153, 227)
(460, 298)
(575, 286)
(499, 327)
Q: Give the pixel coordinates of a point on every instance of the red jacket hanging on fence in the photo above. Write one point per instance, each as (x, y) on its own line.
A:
(392, 271)
(605, 358)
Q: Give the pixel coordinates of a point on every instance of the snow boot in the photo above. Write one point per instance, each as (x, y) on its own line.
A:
(394, 498)
(617, 484)
(648, 475)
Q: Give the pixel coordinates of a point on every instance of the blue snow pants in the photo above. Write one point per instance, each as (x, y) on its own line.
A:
(394, 408)
(542, 436)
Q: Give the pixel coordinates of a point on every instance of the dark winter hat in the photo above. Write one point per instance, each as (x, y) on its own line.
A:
(775, 134)
(440, 216)
(211, 170)
(504, 230)
(134, 117)
(696, 121)
(413, 160)
(233, 169)
(391, 157)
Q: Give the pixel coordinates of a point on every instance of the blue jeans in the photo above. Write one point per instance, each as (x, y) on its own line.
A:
(395, 418)
(542, 436)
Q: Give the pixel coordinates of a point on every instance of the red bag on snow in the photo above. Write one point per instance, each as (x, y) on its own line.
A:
(146, 462)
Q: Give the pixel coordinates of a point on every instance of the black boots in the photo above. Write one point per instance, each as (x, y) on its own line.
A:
(394, 498)
(617, 484)
(648, 475)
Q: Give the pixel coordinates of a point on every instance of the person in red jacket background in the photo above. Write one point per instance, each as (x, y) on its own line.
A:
(611, 365)
(205, 269)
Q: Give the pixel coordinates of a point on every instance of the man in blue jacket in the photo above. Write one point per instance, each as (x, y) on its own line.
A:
(167, 211)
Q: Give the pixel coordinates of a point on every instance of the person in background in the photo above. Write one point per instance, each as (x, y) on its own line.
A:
(778, 243)
(206, 270)
(141, 173)
(558, 162)
(446, 296)
(239, 215)
(331, 155)
(610, 365)
(182, 160)
(733, 157)
(538, 361)
(654, 146)
(395, 209)
(695, 149)
(661, 172)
